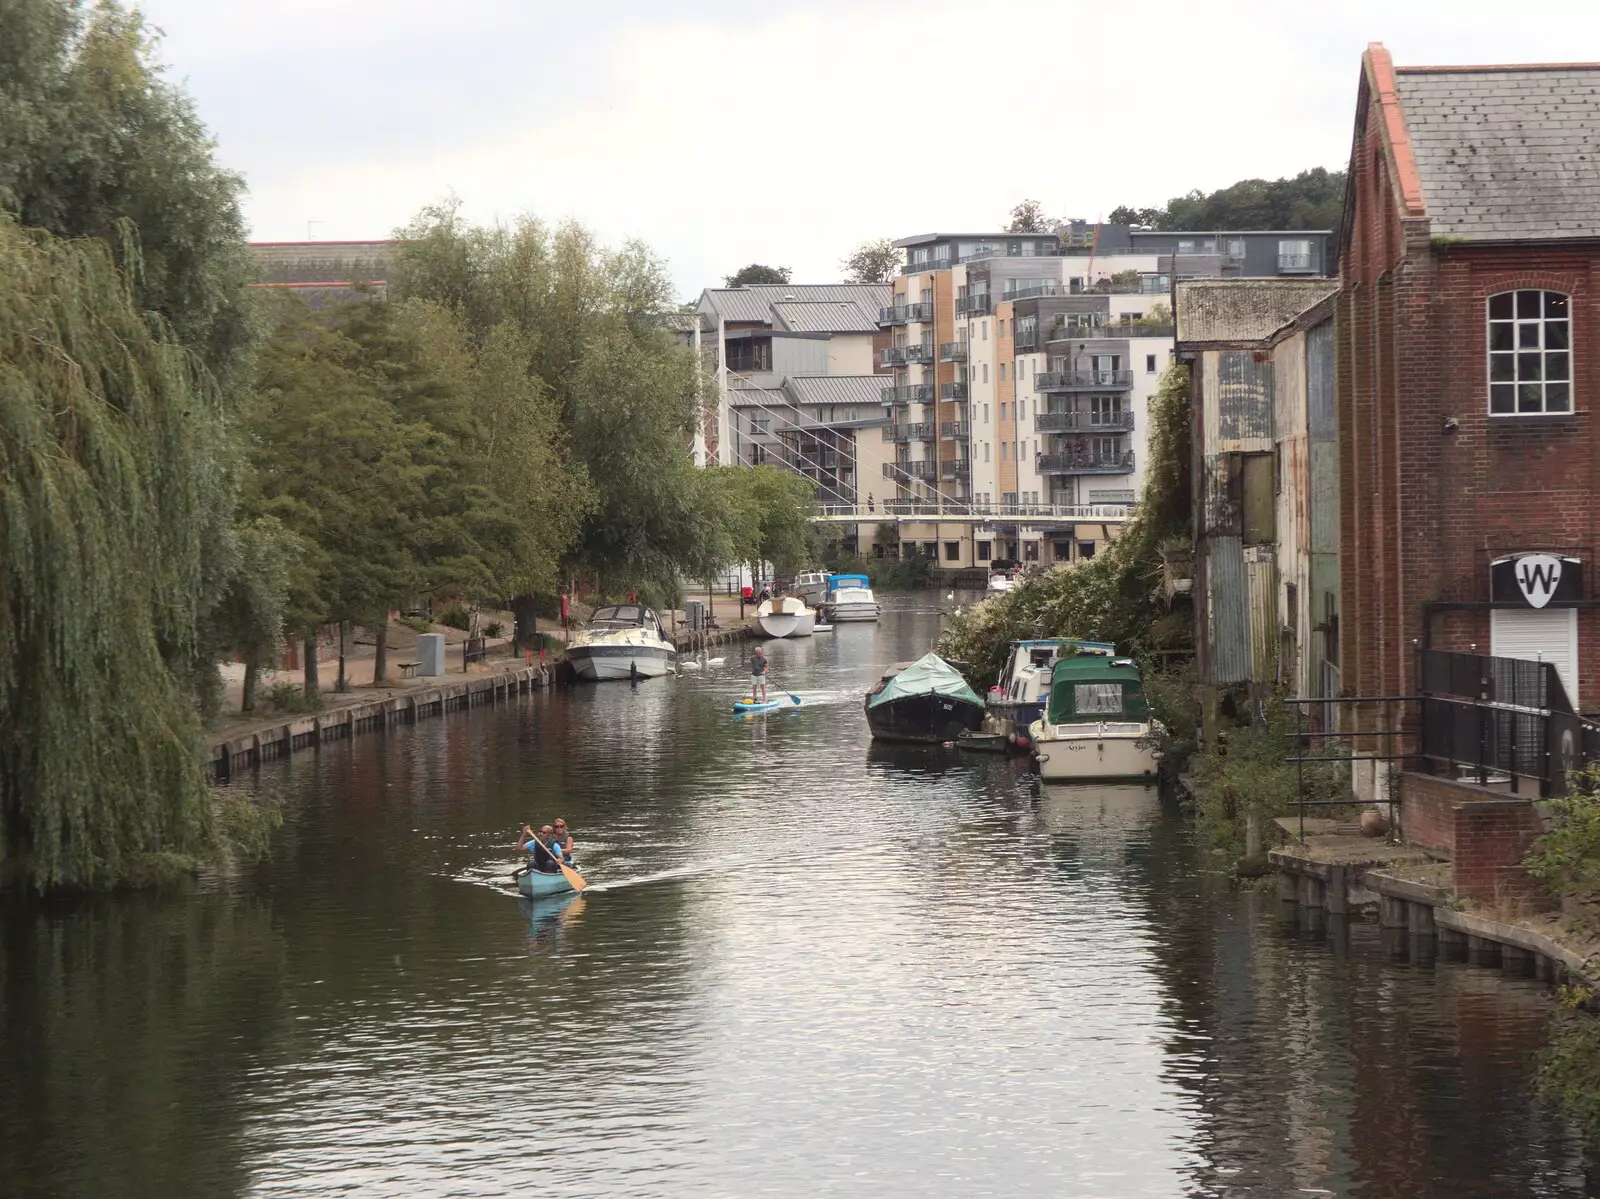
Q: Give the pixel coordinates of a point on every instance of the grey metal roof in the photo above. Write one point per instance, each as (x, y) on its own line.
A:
(755, 303)
(923, 239)
(1236, 310)
(824, 316)
(837, 389)
(757, 397)
(1505, 153)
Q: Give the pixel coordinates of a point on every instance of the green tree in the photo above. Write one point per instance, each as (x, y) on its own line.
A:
(251, 619)
(623, 399)
(110, 434)
(756, 273)
(1028, 217)
(874, 261)
(1124, 215)
(1312, 199)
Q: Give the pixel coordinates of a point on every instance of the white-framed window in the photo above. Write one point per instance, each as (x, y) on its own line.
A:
(1530, 353)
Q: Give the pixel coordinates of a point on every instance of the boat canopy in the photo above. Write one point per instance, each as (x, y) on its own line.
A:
(929, 674)
(1092, 686)
(841, 582)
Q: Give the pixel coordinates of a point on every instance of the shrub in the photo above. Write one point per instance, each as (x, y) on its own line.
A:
(1567, 858)
(1569, 1067)
(455, 617)
(417, 624)
(494, 629)
(292, 697)
(1170, 693)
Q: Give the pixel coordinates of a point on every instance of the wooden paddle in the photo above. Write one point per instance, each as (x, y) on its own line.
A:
(574, 879)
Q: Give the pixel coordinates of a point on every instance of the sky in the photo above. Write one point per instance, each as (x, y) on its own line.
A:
(724, 132)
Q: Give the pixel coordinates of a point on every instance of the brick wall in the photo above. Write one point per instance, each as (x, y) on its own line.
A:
(1487, 834)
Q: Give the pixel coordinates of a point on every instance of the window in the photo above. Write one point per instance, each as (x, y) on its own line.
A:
(1022, 409)
(758, 424)
(1149, 364)
(1086, 549)
(986, 414)
(1530, 358)
(1002, 372)
(985, 372)
(952, 551)
(1022, 368)
(1235, 248)
(1002, 411)
(927, 295)
(986, 451)
(985, 550)
(1294, 254)
(985, 325)
(1030, 551)
(1000, 330)
(1003, 447)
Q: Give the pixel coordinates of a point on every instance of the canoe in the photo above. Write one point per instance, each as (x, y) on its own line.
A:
(745, 705)
(535, 885)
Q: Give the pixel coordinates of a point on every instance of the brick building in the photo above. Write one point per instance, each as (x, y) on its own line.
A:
(1469, 458)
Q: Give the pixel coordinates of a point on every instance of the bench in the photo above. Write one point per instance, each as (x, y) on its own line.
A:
(408, 670)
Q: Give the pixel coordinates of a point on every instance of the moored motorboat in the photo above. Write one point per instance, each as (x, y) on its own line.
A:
(811, 586)
(999, 583)
(849, 598)
(621, 641)
(786, 616)
(1018, 698)
(1096, 725)
(926, 700)
(535, 885)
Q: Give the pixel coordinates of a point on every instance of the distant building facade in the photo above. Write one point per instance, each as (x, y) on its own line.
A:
(324, 272)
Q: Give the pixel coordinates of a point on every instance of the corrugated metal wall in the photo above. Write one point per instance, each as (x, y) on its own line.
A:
(1261, 571)
(1243, 401)
(1227, 613)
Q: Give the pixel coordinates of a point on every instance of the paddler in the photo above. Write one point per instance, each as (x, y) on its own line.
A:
(758, 677)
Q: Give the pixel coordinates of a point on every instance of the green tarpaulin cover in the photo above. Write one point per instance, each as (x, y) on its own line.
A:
(928, 673)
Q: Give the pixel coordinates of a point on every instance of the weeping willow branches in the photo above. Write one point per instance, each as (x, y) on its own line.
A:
(110, 440)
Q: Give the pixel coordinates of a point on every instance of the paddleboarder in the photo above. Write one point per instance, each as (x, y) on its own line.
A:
(758, 677)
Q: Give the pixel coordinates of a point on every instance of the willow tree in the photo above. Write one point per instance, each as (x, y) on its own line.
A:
(109, 434)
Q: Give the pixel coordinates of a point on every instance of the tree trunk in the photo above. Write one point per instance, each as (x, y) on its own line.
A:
(343, 684)
(1252, 835)
(252, 678)
(380, 651)
(313, 683)
(525, 625)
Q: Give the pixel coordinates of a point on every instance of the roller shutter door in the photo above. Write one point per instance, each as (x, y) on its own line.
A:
(1539, 636)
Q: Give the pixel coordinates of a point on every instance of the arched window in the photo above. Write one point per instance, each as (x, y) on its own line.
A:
(1530, 353)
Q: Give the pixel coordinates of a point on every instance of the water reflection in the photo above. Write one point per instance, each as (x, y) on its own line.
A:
(807, 964)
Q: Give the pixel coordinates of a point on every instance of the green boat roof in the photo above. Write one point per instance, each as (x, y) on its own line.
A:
(929, 673)
(1096, 687)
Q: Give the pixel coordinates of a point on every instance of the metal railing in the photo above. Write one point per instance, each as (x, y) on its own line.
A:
(1038, 513)
(1138, 329)
(1147, 285)
(902, 314)
(1104, 422)
(1088, 462)
(1039, 287)
(915, 431)
(922, 469)
(953, 429)
(953, 351)
(1077, 329)
(922, 268)
(953, 391)
(914, 393)
(919, 353)
(955, 468)
(893, 356)
(1294, 262)
(1081, 380)
(973, 305)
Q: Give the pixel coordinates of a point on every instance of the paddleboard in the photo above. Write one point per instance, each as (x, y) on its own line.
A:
(745, 705)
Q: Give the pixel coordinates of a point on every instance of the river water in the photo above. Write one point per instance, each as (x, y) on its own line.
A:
(808, 967)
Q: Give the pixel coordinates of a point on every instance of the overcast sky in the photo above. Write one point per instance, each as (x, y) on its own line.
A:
(724, 132)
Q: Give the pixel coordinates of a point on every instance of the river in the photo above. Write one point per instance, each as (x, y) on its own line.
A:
(808, 967)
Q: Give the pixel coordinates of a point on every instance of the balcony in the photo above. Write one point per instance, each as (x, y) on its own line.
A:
(922, 268)
(904, 313)
(953, 351)
(1295, 264)
(1074, 331)
(1085, 462)
(915, 393)
(1139, 329)
(893, 356)
(909, 470)
(1035, 287)
(953, 430)
(952, 391)
(1072, 422)
(1145, 285)
(1083, 380)
(973, 305)
(919, 353)
(914, 431)
(955, 468)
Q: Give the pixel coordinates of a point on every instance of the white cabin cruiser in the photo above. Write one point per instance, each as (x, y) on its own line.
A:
(999, 583)
(1019, 697)
(849, 598)
(785, 617)
(1096, 726)
(811, 586)
(622, 641)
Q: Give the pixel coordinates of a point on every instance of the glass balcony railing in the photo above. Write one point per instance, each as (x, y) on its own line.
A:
(952, 391)
(915, 393)
(1092, 380)
(1084, 462)
(953, 351)
(1061, 422)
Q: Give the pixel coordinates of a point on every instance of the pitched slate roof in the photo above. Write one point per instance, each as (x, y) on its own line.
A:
(1505, 153)
(755, 302)
(824, 316)
(838, 389)
(1244, 310)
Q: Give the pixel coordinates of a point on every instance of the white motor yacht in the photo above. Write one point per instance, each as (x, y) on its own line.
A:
(1096, 725)
(622, 641)
(811, 586)
(849, 598)
(785, 617)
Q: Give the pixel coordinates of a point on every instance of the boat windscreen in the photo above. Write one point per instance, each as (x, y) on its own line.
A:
(630, 614)
(1096, 691)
